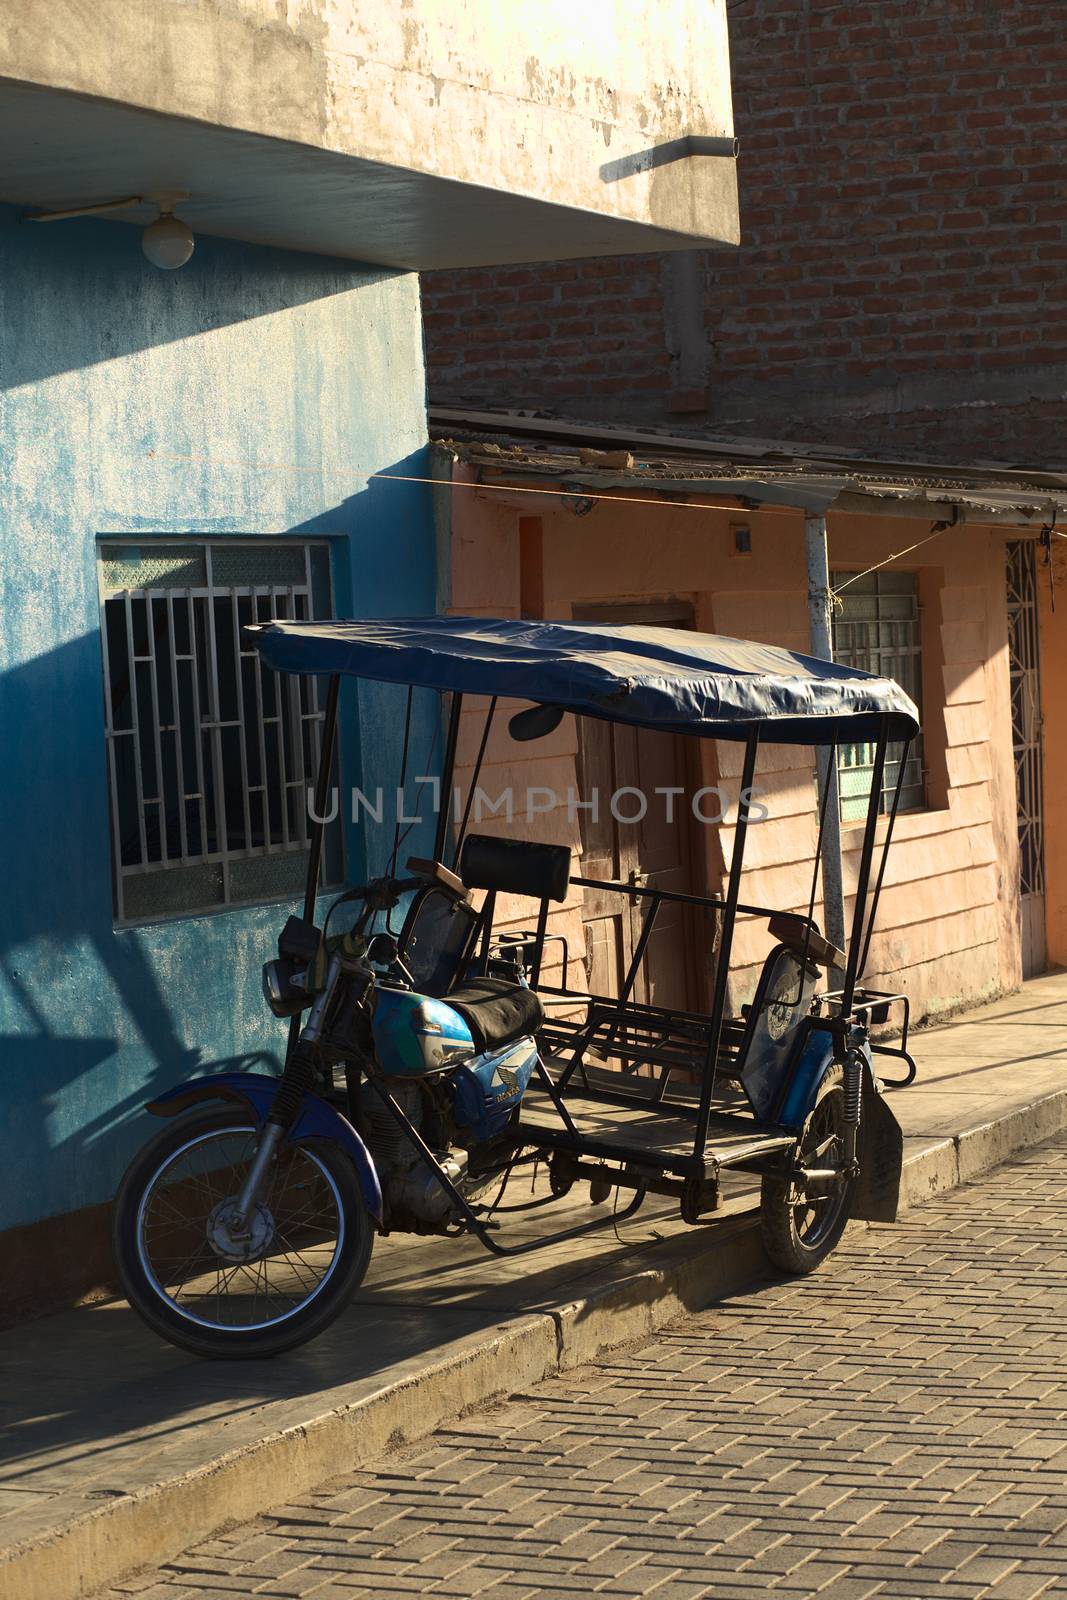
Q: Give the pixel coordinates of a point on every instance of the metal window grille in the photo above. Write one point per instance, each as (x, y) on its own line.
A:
(210, 756)
(877, 627)
(1023, 658)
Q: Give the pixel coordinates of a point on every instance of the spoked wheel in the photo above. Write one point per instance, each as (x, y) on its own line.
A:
(802, 1223)
(215, 1287)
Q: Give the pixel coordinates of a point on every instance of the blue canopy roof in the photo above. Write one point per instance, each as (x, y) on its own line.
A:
(666, 678)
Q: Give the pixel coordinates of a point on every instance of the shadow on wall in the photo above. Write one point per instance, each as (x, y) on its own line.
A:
(94, 1020)
(82, 991)
(103, 438)
(101, 267)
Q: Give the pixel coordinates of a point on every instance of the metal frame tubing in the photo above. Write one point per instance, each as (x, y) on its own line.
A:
(539, 943)
(322, 789)
(318, 828)
(448, 767)
(859, 912)
(475, 775)
(473, 1221)
(722, 966)
(630, 981)
(882, 865)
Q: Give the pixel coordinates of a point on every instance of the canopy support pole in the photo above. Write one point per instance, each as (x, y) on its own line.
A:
(726, 944)
(857, 949)
(820, 609)
(318, 827)
(448, 770)
(905, 747)
(472, 787)
(322, 793)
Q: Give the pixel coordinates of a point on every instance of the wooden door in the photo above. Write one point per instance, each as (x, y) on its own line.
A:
(661, 848)
(608, 926)
(622, 768)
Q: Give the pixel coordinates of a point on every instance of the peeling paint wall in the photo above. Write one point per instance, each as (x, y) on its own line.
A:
(523, 99)
(250, 393)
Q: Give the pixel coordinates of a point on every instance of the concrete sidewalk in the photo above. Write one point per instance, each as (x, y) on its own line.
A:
(119, 1451)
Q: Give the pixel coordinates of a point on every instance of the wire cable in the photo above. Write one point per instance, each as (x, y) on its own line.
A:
(936, 530)
(564, 492)
(451, 483)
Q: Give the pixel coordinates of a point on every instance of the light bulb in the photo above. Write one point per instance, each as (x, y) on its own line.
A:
(168, 242)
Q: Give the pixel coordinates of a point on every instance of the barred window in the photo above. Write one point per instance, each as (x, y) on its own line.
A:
(877, 627)
(210, 755)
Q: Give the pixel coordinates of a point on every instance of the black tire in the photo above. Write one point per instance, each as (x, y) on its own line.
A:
(343, 1251)
(800, 1230)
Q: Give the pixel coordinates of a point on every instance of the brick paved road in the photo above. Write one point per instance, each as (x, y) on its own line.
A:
(896, 1425)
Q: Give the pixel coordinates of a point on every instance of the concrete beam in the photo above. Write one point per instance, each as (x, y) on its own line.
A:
(547, 106)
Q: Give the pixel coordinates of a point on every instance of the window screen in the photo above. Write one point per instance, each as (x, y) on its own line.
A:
(210, 755)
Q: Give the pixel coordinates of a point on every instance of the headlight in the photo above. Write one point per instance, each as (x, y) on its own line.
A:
(284, 987)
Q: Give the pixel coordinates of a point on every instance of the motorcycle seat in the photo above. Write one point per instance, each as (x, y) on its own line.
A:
(496, 1010)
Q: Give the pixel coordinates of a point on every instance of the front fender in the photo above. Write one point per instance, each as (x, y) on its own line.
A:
(316, 1120)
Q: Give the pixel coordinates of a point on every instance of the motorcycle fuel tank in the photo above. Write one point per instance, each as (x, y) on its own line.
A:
(414, 1034)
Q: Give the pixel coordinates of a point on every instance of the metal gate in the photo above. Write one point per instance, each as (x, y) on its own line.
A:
(1026, 742)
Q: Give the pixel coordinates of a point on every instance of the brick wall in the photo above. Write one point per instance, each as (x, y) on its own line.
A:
(902, 284)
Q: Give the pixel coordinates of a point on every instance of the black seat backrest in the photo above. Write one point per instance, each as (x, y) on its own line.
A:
(782, 1000)
(437, 939)
(516, 866)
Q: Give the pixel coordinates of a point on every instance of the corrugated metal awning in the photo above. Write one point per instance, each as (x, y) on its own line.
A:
(509, 446)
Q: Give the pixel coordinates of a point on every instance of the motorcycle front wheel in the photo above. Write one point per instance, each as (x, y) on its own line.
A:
(220, 1288)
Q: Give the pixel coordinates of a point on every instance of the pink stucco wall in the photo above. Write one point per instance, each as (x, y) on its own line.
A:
(948, 925)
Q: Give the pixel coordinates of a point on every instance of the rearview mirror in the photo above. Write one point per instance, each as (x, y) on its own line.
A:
(535, 722)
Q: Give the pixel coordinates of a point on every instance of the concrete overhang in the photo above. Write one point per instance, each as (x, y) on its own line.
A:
(413, 136)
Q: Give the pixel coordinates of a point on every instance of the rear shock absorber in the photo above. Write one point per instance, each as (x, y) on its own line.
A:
(853, 1096)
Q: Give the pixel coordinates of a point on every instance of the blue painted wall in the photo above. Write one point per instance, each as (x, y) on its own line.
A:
(287, 379)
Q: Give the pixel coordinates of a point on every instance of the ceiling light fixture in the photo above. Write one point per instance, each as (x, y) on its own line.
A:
(168, 242)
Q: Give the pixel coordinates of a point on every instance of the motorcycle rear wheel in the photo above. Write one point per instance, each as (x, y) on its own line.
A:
(800, 1226)
(245, 1293)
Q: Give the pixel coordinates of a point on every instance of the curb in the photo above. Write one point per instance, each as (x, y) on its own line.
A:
(967, 1155)
(149, 1527)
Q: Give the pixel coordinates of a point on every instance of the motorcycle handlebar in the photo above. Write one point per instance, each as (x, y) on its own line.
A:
(382, 893)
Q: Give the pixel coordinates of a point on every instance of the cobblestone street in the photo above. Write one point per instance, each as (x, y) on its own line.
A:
(895, 1425)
